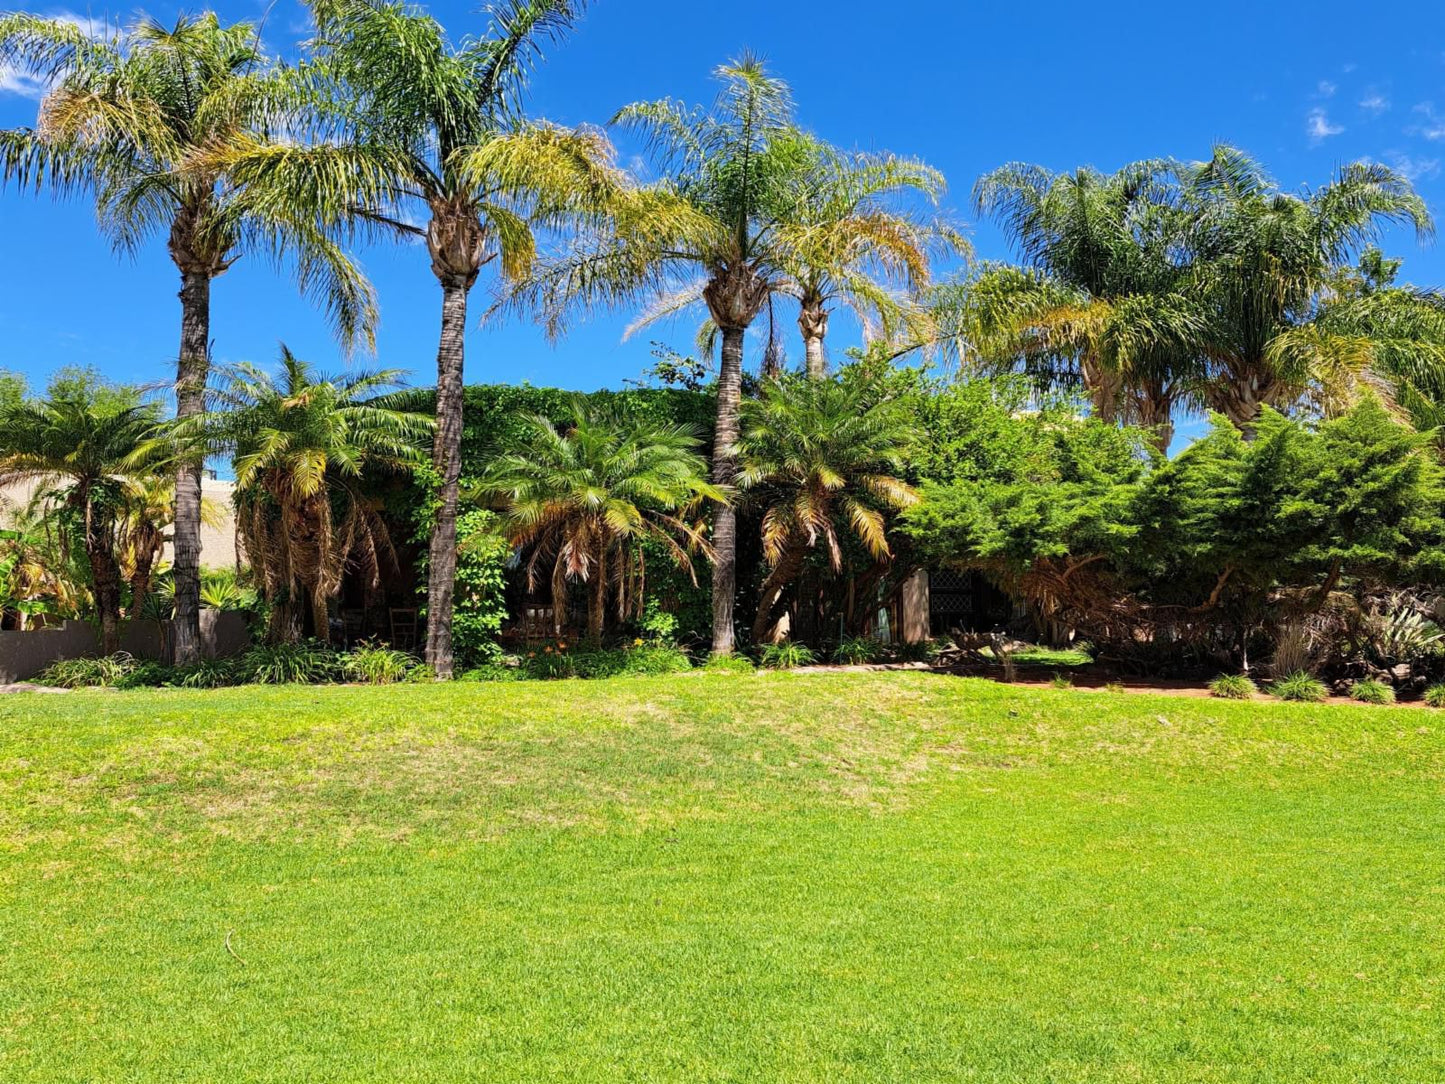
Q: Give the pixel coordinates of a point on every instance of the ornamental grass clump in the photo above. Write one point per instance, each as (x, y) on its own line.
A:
(1233, 687)
(1300, 686)
(1371, 691)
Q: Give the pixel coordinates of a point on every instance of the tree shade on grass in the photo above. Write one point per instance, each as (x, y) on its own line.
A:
(871, 877)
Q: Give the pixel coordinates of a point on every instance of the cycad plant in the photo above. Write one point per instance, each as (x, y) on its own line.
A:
(730, 179)
(577, 497)
(303, 448)
(825, 458)
(78, 446)
(143, 120)
(403, 131)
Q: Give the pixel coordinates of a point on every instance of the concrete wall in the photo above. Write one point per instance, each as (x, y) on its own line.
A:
(25, 654)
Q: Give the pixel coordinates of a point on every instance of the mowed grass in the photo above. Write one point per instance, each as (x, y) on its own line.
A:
(780, 877)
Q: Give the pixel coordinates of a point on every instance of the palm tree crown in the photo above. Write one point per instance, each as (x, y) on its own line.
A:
(576, 496)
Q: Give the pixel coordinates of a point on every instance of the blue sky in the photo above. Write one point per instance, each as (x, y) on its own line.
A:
(966, 86)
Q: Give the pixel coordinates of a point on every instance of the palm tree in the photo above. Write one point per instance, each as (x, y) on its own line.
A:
(140, 120)
(411, 136)
(825, 456)
(730, 182)
(147, 508)
(303, 446)
(850, 244)
(1263, 258)
(79, 445)
(36, 576)
(1102, 302)
(578, 497)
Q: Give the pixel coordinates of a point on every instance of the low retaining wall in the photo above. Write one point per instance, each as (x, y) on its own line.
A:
(25, 654)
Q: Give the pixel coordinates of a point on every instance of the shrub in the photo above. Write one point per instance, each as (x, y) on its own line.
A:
(308, 662)
(550, 663)
(785, 656)
(734, 664)
(1232, 687)
(1062, 681)
(1299, 686)
(205, 674)
(377, 664)
(146, 675)
(1294, 650)
(855, 650)
(1114, 687)
(1371, 691)
(657, 625)
(90, 672)
(1435, 695)
(922, 651)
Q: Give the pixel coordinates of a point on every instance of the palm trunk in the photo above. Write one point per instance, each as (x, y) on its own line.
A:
(813, 323)
(447, 458)
(597, 597)
(724, 472)
(105, 581)
(191, 370)
(783, 573)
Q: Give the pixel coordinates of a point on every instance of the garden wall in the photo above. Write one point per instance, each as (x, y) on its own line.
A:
(25, 654)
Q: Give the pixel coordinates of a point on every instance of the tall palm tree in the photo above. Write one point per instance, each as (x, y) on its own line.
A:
(1262, 259)
(1102, 302)
(302, 445)
(578, 495)
(730, 179)
(35, 575)
(402, 132)
(79, 447)
(138, 120)
(825, 455)
(853, 242)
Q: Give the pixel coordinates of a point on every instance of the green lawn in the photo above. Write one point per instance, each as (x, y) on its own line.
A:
(795, 877)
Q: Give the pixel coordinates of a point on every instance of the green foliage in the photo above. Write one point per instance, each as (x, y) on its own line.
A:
(657, 625)
(785, 656)
(106, 670)
(1435, 695)
(1300, 686)
(308, 662)
(377, 664)
(1233, 687)
(1061, 681)
(1371, 691)
(856, 650)
(480, 604)
(493, 671)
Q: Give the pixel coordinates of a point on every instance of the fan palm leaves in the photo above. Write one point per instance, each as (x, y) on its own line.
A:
(79, 446)
(824, 457)
(576, 497)
(142, 120)
(401, 132)
(303, 446)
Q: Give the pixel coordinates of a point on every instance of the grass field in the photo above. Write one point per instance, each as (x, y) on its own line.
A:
(781, 877)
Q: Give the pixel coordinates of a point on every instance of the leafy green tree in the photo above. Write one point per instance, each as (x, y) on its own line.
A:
(303, 447)
(79, 445)
(577, 496)
(413, 136)
(142, 120)
(729, 189)
(824, 457)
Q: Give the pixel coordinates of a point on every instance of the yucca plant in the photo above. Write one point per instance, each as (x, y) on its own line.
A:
(1233, 687)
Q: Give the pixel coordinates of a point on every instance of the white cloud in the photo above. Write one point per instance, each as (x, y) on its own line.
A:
(1413, 168)
(1433, 128)
(1318, 126)
(1326, 89)
(1374, 103)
